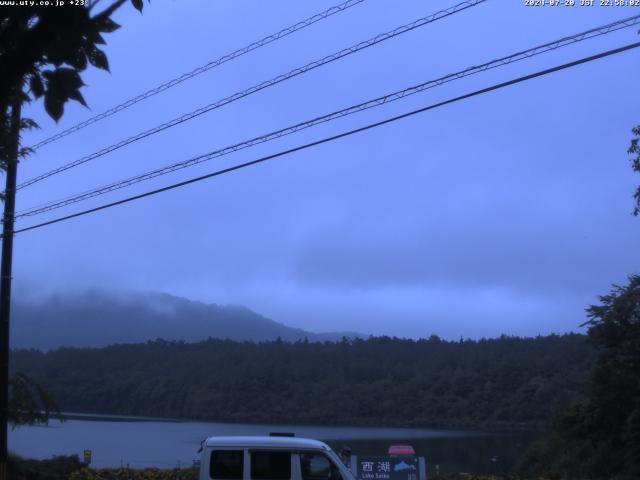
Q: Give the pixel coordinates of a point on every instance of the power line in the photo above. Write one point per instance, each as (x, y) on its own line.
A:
(204, 68)
(338, 136)
(562, 42)
(256, 88)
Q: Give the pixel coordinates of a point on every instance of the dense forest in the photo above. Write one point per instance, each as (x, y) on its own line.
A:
(498, 383)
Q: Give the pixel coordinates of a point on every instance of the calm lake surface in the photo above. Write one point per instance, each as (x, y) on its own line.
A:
(139, 443)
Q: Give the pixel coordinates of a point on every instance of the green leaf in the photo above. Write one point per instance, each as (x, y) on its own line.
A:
(24, 152)
(78, 60)
(54, 106)
(107, 25)
(94, 37)
(63, 84)
(64, 78)
(77, 96)
(28, 124)
(37, 87)
(98, 59)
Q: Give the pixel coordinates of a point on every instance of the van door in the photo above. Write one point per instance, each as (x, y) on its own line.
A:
(318, 466)
(271, 465)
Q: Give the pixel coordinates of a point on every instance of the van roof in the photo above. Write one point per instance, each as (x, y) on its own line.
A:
(265, 441)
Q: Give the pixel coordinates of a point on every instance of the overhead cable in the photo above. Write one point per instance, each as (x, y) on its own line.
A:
(261, 86)
(390, 97)
(204, 68)
(338, 136)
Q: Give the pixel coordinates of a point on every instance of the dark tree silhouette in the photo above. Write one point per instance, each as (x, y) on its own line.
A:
(29, 403)
(45, 49)
(600, 436)
(634, 149)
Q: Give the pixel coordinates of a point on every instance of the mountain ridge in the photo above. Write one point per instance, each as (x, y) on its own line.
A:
(97, 318)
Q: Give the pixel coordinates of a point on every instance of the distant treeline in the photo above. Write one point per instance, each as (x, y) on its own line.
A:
(498, 383)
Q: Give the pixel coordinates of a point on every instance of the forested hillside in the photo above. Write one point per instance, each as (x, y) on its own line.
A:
(498, 383)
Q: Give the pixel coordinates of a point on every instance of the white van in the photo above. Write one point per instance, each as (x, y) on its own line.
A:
(270, 458)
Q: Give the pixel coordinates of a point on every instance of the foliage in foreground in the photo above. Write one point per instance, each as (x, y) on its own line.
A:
(29, 403)
(464, 476)
(56, 468)
(133, 474)
(600, 436)
(47, 49)
(71, 468)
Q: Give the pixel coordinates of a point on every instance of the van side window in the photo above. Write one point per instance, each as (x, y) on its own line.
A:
(226, 464)
(316, 466)
(270, 465)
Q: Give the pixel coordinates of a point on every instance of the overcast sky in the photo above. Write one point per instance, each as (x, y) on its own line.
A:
(506, 213)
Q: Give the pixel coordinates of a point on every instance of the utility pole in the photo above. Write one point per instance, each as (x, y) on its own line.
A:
(5, 275)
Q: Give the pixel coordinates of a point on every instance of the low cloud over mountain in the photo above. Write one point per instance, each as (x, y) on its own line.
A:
(97, 318)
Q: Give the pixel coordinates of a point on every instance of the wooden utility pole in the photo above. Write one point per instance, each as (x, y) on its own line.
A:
(5, 276)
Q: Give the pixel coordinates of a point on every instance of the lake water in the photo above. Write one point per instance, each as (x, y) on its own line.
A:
(139, 443)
